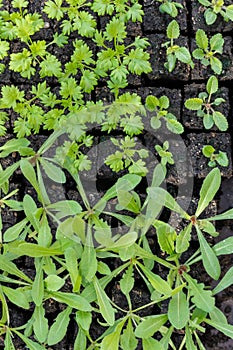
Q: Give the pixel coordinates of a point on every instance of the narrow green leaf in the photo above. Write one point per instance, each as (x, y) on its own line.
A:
(224, 247)
(105, 306)
(13, 232)
(88, 263)
(151, 343)
(128, 340)
(9, 267)
(30, 344)
(209, 188)
(38, 284)
(150, 325)
(127, 281)
(225, 282)
(17, 297)
(59, 328)
(126, 183)
(224, 328)
(33, 250)
(6, 174)
(73, 300)
(29, 173)
(182, 240)
(156, 281)
(189, 340)
(40, 324)
(30, 210)
(178, 310)
(54, 172)
(80, 341)
(210, 261)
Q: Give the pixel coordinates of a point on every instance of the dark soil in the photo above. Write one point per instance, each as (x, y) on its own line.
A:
(178, 86)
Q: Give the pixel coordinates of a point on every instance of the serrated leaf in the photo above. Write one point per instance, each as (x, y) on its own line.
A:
(127, 281)
(150, 325)
(212, 85)
(202, 39)
(183, 55)
(216, 65)
(173, 30)
(210, 17)
(202, 298)
(208, 190)
(178, 310)
(166, 236)
(59, 328)
(111, 341)
(105, 306)
(220, 121)
(194, 104)
(128, 340)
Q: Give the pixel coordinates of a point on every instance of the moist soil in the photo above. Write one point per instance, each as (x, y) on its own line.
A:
(178, 86)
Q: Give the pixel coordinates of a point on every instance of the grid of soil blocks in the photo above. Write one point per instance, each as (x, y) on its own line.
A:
(179, 85)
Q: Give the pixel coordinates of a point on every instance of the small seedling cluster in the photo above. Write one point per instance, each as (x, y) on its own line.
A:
(71, 242)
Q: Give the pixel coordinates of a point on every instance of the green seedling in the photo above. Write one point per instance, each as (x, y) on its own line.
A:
(159, 111)
(170, 7)
(208, 49)
(206, 108)
(175, 52)
(215, 8)
(166, 156)
(216, 158)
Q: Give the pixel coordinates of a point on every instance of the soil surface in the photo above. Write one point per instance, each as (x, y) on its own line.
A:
(178, 86)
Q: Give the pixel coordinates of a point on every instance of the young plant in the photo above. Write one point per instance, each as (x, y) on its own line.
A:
(206, 109)
(175, 52)
(166, 156)
(216, 158)
(158, 109)
(208, 49)
(170, 7)
(127, 156)
(215, 7)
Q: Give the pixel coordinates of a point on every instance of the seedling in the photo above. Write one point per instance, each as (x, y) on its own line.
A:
(175, 52)
(215, 7)
(208, 49)
(166, 156)
(206, 109)
(170, 7)
(216, 158)
(159, 111)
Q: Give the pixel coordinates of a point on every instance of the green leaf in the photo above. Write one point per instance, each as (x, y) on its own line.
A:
(127, 281)
(9, 267)
(212, 85)
(202, 298)
(88, 263)
(183, 238)
(217, 42)
(173, 30)
(6, 174)
(210, 17)
(73, 300)
(224, 328)
(174, 126)
(88, 81)
(194, 104)
(33, 250)
(178, 310)
(220, 121)
(189, 340)
(29, 173)
(30, 344)
(53, 9)
(183, 55)
(208, 190)
(166, 236)
(208, 150)
(225, 282)
(159, 284)
(202, 39)
(229, 12)
(38, 284)
(17, 297)
(151, 343)
(105, 306)
(128, 340)
(225, 246)
(59, 328)
(13, 232)
(138, 61)
(125, 183)
(210, 261)
(216, 65)
(54, 172)
(80, 341)
(54, 282)
(111, 341)
(40, 324)
(150, 325)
